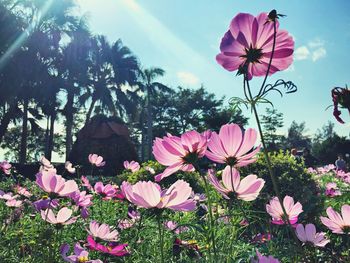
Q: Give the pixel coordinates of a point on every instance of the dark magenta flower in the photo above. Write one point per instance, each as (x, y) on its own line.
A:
(112, 248)
(340, 96)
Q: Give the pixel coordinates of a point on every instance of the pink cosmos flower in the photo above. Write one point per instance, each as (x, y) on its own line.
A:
(44, 204)
(107, 191)
(248, 44)
(63, 216)
(276, 212)
(69, 167)
(84, 212)
(13, 203)
(52, 183)
(5, 166)
(46, 165)
(179, 153)
(103, 231)
(125, 223)
(246, 189)
(332, 190)
(173, 226)
(96, 160)
(133, 214)
(22, 191)
(11, 200)
(232, 146)
(339, 224)
(7, 196)
(132, 166)
(80, 255)
(86, 182)
(112, 248)
(150, 195)
(309, 235)
(81, 198)
(264, 259)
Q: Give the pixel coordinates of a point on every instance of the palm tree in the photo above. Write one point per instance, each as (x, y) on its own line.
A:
(76, 62)
(150, 87)
(111, 68)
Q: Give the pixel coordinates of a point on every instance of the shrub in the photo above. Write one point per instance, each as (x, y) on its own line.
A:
(293, 179)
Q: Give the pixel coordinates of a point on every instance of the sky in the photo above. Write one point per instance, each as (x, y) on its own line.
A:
(183, 37)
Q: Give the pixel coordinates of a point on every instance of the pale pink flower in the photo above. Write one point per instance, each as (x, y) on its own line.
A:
(96, 160)
(86, 182)
(309, 235)
(69, 167)
(246, 189)
(52, 183)
(81, 198)
(46, 165)
(248, 44)
(173, 226)
(150, 195)
(132, 166)
(125, 223)
(276, 212)
(80, 255)
(339, 224)
(179, 153)
(22, 191)
(103, 231)
(5, 166)
(13, 203)
(106, 191)
(233, 147)
(63, 216)
(7, 196)
(264, 259)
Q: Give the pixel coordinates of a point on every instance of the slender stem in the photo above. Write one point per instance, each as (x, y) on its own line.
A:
(161, 243)
(269, 165)
(211, 218)
(270, 62)
(233, 189)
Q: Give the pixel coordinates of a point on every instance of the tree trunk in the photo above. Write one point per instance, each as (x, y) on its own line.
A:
(5, 121)
(143, 136)
(51, 134)
(149, 124)
(69, 124)
(88, 115)
(47, 131)
(24, 137)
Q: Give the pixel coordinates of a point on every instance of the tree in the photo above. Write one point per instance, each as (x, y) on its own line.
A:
(296, 136)
(150, 87)
(328, 150)
(272, 121)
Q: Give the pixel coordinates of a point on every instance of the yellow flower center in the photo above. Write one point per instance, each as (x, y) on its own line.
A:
(82, 259)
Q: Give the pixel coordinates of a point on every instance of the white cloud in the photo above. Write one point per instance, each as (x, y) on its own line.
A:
(301, 53)
(318, 53)
(187, 78)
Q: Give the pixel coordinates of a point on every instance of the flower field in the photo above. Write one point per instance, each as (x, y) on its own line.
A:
(224, 193)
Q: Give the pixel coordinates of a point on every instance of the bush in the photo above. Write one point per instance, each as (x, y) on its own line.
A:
(293, 180)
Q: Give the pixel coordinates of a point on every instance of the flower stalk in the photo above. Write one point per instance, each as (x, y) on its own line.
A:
(253, 101)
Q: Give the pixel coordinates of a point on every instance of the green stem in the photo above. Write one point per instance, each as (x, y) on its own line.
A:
(161, 241)
(211, 218)
(269, 165)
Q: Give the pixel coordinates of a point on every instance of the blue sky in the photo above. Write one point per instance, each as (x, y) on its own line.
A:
(183, 38)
